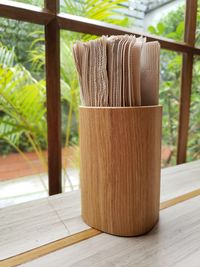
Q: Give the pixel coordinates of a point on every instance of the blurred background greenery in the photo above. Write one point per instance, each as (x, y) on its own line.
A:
(22, 80)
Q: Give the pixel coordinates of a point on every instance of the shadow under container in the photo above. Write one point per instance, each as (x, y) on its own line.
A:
(120, 168)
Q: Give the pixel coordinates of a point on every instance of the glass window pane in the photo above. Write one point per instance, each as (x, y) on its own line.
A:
(109, 11)
(70, 99)
(193, 151)
(23, 128)
(163, 18)
(169, 98)
(31, 2)
(69, 109)
(198, 25)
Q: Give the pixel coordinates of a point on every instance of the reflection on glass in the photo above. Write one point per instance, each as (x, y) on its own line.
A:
(109, 11)
(165, 18)
(169, 98)
(69, 108)
(193, 150)
(198, 25)
(31, 2)
(23, 129)
(70, 100)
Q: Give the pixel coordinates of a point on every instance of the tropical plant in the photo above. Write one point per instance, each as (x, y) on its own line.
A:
(17, 35)
(172, 26)
(22, 105)
(104, 10)
(17, 82)
(28, 95)
(96, 9)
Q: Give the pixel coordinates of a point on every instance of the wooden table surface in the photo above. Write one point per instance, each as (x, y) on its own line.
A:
(50, 232)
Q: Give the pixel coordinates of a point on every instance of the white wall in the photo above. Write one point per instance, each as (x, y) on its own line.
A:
(154, 17)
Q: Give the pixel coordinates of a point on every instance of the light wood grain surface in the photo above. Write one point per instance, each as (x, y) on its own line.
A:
(179, 180)
(175, 241)
(120, 168)
(27, 226)
(48, 248)
(33, 224)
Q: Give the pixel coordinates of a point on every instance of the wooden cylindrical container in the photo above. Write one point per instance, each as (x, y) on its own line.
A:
(120, 168)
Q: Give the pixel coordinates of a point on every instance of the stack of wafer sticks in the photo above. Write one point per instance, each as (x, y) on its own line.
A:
(118, 71)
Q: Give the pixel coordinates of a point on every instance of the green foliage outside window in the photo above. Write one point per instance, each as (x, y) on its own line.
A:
(172, 26)
(30, 52)
(22, 80)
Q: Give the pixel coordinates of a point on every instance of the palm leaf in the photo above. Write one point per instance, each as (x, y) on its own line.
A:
(6, 56)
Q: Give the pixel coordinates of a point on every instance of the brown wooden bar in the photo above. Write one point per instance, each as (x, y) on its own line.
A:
(52, 41)
(52, 5)
(24, 12)
(186, 81)
(90, 26)
(29, 13)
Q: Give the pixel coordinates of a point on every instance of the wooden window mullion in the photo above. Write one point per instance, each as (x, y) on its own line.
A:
(52, 41)
(24, 12)
(186, 81)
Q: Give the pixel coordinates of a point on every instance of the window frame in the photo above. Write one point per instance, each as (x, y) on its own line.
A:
(54, 21)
